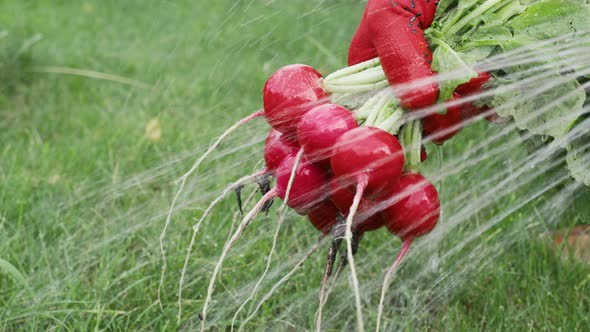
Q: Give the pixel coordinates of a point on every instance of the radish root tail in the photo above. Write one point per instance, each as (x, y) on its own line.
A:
(230, 243)
(182, 180)
(389, 274)
(281, 212)
(283, 280)
(197, 226)
(333, 251)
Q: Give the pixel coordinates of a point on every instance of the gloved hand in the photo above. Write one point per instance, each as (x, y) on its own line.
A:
(393, 30)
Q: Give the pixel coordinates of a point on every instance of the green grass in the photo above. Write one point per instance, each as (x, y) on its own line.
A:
(83, 193)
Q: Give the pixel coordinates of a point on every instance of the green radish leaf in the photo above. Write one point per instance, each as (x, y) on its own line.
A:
(545, 107)
(484, 41)
(487, 35)
(503, 14)
(459, 67)
(578, 162)
(578, 152)
(552, 18)
(444, 7)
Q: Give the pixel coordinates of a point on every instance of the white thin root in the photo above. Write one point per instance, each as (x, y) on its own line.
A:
(283, 280)
(362, 184)
(388, 275)
(229, 244)
(281, 212)
(196, 228)
(329, 265)
(182, 180)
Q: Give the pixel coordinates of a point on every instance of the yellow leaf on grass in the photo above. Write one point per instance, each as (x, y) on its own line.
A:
(153, 130)
(53, 179)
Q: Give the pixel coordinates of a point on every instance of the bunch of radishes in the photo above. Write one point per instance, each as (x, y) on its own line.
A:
(331, 169)
(349, 171)
(333, 160)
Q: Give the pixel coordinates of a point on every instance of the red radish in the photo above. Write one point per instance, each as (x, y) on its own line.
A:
(289, 93)
(309, 186)
(470, 111)
(324, 216)
(276, 148)
(474, 85)
(423, 154)
(368, 217)
(368, 152)
(414, 208)
(444, 126)
(319, 129)
(372, 158)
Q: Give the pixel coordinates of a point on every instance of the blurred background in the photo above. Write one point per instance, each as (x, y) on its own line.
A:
(104, 104)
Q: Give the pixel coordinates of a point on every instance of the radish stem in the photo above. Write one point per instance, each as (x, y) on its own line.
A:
(411, 139)
(392, 123)
(354, 69)
(452, 29)
(355, 88)
(371, 75)
(416, 144)
(367, 108)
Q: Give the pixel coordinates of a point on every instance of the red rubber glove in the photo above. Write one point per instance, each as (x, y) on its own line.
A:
(394, 31)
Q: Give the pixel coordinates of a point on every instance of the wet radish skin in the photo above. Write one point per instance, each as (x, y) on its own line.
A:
(474, 85)
(448, 123)
(367, 216)
(324, 216)
(371, 152)
(423, 154)
(309, 187)
(414, 209)
(320, 128)
(276, 148)
(289, 93)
